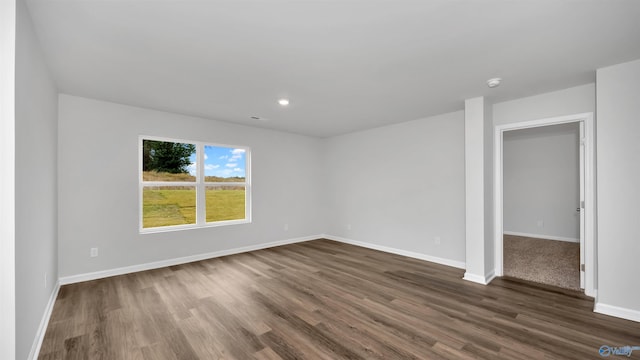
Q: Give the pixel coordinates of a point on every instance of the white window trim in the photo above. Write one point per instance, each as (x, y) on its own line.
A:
(199, 184)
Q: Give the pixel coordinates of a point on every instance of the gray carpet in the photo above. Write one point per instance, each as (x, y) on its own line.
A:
(543, 261)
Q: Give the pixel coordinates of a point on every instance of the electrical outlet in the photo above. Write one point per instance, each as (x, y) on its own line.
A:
(94, 252)
(286, 227)
(348, 226)
(540, 223)
(437, 240)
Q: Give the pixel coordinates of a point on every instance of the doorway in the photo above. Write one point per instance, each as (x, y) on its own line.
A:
(541, 190)
(585, 207)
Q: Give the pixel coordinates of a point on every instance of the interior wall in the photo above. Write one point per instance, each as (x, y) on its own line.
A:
(478, 215)
(36, 185)
(489, 212)
(541, 182)
(7, 180)
(618, 149)
(98, 186)
(574, 100)
(401, 187)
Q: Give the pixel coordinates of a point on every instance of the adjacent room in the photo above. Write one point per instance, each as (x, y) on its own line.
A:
(542, 204)
(319, 179)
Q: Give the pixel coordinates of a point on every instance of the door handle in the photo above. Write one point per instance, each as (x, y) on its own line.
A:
(578, 209)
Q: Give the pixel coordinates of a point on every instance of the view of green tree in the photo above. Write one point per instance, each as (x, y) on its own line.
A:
(166, 156)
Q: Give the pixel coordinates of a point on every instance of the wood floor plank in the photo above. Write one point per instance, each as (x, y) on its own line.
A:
(266, 354)
(323, 300)
(158, 351)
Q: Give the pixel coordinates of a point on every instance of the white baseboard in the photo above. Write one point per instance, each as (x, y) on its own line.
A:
(44, 323)
(490, 276)
(628, 314)
(411, 254)
(540, 236)
(177, 261)
(484, 280)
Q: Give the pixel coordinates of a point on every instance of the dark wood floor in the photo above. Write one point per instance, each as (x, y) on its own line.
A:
(323, 300)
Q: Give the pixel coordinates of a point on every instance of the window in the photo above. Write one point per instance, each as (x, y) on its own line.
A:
(188, 184)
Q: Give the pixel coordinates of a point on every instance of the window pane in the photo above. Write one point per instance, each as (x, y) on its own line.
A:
(168, 161)
(224, 164)
(168, 205)
(225, 203)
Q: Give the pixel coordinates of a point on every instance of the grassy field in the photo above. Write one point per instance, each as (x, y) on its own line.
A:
(164, 176)
(165, 206)
(171, 206)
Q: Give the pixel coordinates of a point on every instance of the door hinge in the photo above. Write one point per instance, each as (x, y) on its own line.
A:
(581, 267)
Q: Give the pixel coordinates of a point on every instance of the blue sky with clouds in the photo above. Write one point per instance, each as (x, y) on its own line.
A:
(221, 161)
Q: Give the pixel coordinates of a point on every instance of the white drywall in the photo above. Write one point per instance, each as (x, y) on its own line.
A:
(541, 181)
(489, 252)
(618, 152)
(7, 180)
(98, 186)
(36, 185)
(400, 187)
(575, 100)
(478, 130)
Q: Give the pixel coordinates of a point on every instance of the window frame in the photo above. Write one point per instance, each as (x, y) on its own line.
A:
(199, 184)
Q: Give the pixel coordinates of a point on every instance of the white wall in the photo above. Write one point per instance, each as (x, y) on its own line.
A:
(36, 185)
(541, 182)
(98, 186)
(400, 187)
(575, 100)
(489, 223)
(618, 154)
(478, 161)
(7, 179)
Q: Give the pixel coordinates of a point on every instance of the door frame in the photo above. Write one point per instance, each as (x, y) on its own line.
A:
(589, 190)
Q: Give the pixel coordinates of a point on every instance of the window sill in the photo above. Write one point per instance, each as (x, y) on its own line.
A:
(192, 226)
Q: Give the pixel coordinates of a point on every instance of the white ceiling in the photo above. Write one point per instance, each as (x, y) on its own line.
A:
(345, 65)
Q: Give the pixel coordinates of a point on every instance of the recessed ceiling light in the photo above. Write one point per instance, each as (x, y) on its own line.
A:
(493, 82)
(283, 102)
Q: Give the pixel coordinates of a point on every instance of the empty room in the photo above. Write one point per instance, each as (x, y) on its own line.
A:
(319, 179)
